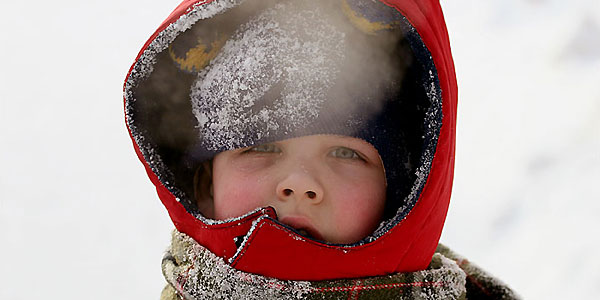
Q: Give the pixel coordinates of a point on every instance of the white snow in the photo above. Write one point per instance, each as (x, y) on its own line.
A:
(525, 201)
(79, 218)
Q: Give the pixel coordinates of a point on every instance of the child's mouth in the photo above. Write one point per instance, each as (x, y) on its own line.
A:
(303, 232)
(303, 227)
(313, 234)
(308, 234)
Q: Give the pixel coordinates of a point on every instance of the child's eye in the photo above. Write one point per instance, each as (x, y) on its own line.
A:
(346, 153)
(266, 148)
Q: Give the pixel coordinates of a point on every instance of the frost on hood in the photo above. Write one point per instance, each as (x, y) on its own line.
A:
(277, 85)
(283, 81)
(141, 71)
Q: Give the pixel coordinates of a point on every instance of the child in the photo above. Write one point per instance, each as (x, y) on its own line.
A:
(328, 187)
(303, 149)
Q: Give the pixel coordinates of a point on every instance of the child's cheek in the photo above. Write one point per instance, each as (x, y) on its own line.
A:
(356, 223)
(240, 195)
(358, 210)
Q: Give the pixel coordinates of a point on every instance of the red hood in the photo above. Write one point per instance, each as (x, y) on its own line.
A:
(407, 245)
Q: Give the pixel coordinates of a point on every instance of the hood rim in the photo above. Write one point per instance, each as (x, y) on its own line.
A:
(428, 20)
(144, 66)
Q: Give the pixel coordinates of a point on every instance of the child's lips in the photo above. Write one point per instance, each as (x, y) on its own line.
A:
(302, 225)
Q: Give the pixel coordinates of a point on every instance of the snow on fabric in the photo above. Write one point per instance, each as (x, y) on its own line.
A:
(196, 273)
(226, 97)
(144, 66)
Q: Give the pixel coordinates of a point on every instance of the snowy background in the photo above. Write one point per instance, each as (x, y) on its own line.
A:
(79, 218)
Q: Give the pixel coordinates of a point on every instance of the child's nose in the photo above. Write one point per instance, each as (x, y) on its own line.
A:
(300, 186)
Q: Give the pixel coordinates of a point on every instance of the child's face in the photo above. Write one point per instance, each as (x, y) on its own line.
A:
(327, 186)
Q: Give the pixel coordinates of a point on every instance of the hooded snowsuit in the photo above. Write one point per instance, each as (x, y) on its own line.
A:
(226, 74)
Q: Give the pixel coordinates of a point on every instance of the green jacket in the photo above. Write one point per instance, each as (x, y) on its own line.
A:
(193, 272)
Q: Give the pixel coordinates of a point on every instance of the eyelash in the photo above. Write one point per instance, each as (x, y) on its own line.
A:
(256, 149)
(355, 154)
(275, 149)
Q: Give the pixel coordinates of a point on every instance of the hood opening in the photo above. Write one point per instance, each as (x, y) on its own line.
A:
(163, 124)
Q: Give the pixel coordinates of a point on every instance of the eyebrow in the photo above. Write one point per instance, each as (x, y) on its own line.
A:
(357, 141)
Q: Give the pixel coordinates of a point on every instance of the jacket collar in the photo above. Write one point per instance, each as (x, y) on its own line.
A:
(193, 272)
